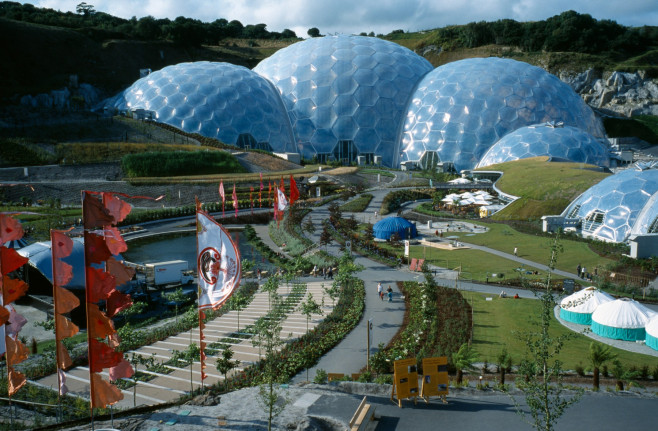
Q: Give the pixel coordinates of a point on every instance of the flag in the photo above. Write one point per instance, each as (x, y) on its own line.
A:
(11, 229)
(276, 210)
(221, 193)
(251, 199)
(104, 392)
(282, 186)
(260, 191)
(218, 262)
(294, 191)
(63, 390)
(282, 202)
(269, 190)
(235, 200)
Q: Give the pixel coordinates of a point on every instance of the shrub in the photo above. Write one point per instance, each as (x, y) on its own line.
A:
(320, 377)
(176, 163)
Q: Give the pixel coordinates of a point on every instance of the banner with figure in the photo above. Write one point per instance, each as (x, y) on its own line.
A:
(218, 262)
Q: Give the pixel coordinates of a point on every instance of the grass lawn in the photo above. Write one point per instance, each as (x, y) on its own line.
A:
(496, 322)
(357, 205)
(475, 264)
(535, 248)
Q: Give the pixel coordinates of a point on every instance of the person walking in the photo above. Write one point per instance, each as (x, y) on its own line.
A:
(331, 273)
(516, 251)
(380, 292)
(579, 270)
(390, 294)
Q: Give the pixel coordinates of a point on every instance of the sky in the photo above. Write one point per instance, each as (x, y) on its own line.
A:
(378, 16)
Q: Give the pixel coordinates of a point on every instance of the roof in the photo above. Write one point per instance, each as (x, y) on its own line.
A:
(623, 313)
(388, 226)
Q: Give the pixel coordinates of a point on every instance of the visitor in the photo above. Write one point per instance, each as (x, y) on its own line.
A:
(516, 296)
(331, 273)
(503, 294)
(390, 294)
(578, 270)
(380, 292)
(324, 273)
(515, 251)
(584, 271)
(258, 273)
(315, 270)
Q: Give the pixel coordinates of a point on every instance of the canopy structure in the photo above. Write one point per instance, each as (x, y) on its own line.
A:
(652, 333)
(621, 319)
(386, 227)
(16, 244)
(578, 308)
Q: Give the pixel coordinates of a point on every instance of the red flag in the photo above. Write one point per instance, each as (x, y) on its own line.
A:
(269, 190)
(114, 241)
(117, 302)
(10, 260)
(251, 199)
(276, 209)
(282, 186)
(102, 356)
(10, 229)
(235, 200)
(62, 246)
(12, 289)
(94, 213)
(294, 191)
(4, 315)
(121, 371)
(96, 250)
(103, 393)
(118, 208)
(221, 193)
(100, 284)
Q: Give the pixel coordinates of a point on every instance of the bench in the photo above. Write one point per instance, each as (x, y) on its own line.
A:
(363, 418)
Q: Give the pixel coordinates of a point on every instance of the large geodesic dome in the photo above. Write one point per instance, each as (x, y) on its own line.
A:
(621, 204)
(459, 110)
(346, 95)
(218, 100)
(548, 139)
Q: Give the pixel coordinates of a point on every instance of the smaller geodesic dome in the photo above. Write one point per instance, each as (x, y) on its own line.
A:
(621, 319)
(549, 139)
(386, 227)
(578, 307)
(652, 333)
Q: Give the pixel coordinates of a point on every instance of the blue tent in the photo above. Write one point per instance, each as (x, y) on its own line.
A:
(386, 227)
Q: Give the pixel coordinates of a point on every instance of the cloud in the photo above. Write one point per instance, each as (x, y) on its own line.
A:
(380, 16)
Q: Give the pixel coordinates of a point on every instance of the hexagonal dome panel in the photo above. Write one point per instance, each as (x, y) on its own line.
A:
(219, 100)
(505, 94)
(621, 204)
(565, 142)
(350, 73)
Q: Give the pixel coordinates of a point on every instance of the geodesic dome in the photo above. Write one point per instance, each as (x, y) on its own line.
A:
(579, 306)
(346, 95)
(619, 205)
(386, 227)
(218, 100)
(561, 142)
(621, 319)
(460, 109)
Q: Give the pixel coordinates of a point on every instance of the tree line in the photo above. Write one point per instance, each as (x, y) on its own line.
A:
(100, 25)
(569, 31)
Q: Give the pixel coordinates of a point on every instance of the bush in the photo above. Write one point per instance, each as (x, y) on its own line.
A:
(320, 377)
(176, 163)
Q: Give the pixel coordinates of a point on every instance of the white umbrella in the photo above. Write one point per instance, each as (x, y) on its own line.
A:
(460, 181)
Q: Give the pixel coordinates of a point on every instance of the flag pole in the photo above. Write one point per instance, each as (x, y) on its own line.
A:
(57, 358)
(87, 301)
(198, 295)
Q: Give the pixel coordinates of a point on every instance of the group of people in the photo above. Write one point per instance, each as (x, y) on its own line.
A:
(581, 272)
(327, 273)
(380, 292)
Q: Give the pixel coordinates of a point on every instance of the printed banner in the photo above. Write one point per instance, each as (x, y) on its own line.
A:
(218, 262)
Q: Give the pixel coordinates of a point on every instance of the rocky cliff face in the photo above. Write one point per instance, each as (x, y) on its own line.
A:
(617, 93)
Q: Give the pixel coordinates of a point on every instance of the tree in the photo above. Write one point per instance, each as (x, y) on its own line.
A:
(622, 374)
(308, 308)
(504, 360)
(463, 359)
(599, 354)
(238, 302)
(543, 387)
(85, 9)
(325, 236)
(308, 226)
(225, 363)
(369, 233)
(314, 32)
(177, 297)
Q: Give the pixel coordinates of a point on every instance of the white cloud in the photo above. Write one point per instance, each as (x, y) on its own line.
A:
(380, 16)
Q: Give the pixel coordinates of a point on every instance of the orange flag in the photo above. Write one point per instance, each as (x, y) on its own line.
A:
(114, 241)
(122, 274)
(104, 393)
(65, 328)
(63, 355)
(66, 301)
(100, 326)
(16, 351)
(12, 289)
(16, 380)
(10, 229)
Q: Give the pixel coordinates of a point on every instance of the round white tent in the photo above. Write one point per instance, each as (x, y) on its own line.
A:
(652, 332)
(621, 319)
(578, 307)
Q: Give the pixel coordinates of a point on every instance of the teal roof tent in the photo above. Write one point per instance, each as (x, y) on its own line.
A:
(578, 308)
(386, 227)
(621, 319)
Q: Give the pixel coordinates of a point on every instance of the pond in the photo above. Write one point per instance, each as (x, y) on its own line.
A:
(182, 246)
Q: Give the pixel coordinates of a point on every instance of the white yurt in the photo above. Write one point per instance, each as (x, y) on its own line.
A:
(652, 332)
(578, 307)
(621, 319)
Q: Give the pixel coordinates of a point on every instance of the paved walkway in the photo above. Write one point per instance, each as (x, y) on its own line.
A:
(168, 387)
